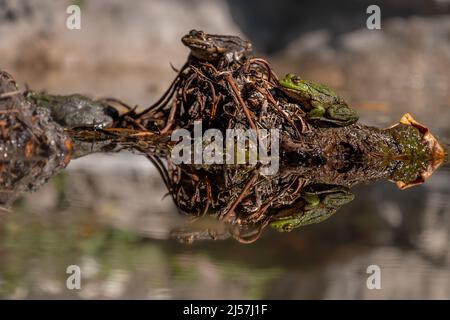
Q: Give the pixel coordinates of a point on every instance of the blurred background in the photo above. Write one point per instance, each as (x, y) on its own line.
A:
(106, 213)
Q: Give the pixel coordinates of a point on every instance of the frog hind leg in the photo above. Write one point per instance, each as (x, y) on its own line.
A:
(341, 115)
(316, 113)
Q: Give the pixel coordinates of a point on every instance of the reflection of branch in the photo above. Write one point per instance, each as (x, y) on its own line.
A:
(247, 239)
(247, 186)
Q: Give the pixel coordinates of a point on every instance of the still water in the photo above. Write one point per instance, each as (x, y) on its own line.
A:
(108, 215)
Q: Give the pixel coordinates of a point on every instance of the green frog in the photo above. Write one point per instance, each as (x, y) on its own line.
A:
(75, 110)
(216, 48)
(314, 206)
(322, 103)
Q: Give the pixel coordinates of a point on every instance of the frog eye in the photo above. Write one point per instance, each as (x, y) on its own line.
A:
(197, 34)
(288, 227)
(296, 79)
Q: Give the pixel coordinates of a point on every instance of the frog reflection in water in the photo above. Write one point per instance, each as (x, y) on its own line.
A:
(320, 102)
(216, 48)
(315, 205)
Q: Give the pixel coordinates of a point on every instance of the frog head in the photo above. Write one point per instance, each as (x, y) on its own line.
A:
(210, 47)
(314, 206)
(295, 83)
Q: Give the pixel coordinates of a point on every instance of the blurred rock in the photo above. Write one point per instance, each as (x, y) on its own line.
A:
(124, 43)
(383, 73)
(273, 25)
